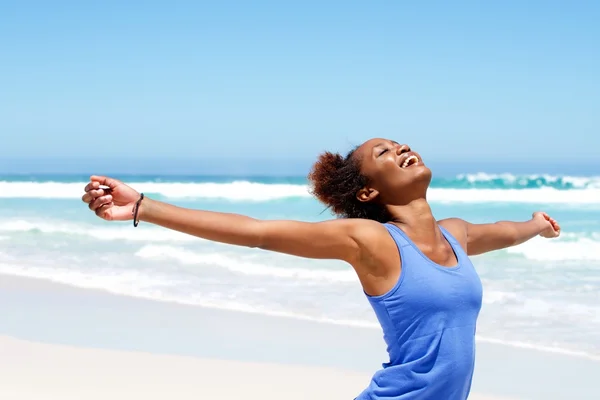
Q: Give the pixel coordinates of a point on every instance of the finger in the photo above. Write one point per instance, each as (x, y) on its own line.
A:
(100, 201)
(104, 180)
(88, 197)
(104, 212)
(100, 192)
(91, 186)
(94, 193)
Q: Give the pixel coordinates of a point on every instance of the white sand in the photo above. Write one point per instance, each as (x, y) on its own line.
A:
(36, 371)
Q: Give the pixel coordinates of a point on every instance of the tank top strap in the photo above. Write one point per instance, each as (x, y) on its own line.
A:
(451, 239)
(402, 239)
(398, 236)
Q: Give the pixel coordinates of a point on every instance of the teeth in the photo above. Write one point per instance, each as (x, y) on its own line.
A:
(409, 160)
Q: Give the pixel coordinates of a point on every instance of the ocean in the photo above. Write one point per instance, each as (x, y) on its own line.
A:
(544, 294)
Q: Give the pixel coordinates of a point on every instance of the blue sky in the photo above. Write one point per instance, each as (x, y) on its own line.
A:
(231, 82)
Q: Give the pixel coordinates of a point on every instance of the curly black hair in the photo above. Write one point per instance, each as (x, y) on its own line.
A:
(335, 181)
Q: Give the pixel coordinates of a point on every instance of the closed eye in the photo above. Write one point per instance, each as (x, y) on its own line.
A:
(383, 152)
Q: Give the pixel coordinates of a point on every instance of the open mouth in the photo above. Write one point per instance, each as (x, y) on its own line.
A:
(411, 160)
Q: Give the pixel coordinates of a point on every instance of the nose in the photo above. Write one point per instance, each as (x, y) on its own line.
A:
(402, 148)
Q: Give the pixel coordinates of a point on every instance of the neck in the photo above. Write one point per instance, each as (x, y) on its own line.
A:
(416, 219)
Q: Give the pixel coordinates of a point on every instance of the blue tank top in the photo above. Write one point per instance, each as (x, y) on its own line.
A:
(428, 320)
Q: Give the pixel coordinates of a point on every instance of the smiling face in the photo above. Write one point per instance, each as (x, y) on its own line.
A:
(396, 174)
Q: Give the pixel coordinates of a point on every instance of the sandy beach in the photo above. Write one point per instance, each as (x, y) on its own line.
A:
(32, 370)
(61, 342)
(42, 371)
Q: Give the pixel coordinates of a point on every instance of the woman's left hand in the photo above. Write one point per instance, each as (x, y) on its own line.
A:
(551, 229)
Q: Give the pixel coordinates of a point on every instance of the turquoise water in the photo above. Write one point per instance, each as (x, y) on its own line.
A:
(543, 294)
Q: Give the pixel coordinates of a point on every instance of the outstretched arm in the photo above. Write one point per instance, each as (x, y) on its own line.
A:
(335, 239)
(483, 238)
(344, 239)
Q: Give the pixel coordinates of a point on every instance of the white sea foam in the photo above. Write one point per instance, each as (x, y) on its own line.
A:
(549, 309)
(538, 347)
(142, 285)
(259, 192)
(498, 297)
(142, 234)
(238, 265)
(132, 284)
(586, 248)
(544, 195)
(570, 246)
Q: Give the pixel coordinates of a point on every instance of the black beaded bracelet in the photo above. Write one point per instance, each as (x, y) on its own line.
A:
(135, 210)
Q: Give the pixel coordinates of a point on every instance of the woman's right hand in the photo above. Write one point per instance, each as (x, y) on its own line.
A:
(110, 199)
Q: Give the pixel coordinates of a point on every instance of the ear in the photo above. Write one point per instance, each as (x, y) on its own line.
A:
(366, 194)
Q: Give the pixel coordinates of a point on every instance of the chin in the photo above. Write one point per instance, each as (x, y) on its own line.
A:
(422, 174)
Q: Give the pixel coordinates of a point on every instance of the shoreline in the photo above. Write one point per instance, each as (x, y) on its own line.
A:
(53, 314)
(290, 316)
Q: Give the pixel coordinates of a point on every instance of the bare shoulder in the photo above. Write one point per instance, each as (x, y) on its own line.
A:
(369, 235)
(342, 239)
(365, 231)
(457, 228)
(364, 244)
(361, 231)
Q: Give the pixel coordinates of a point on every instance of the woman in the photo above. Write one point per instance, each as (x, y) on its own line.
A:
(414, 270)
